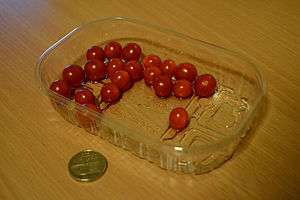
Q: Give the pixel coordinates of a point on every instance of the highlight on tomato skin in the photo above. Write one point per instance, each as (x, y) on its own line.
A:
(135, 70)
(95, 52)
(162, 86)
(205, 85)
(178, 118)
(122, 80)
(95, 70)
(114, 64)
(186, 71)
(131, 51)
(61, 87)
(113, 50)
(150, 60)
(168, 67)
(73, 75)
(84, 96)
(182, 89)
(110, 93)
(150, 73)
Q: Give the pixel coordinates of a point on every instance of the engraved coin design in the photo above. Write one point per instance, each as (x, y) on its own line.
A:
(87, 166)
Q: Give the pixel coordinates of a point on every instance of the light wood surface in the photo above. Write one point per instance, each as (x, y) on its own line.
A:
(36, 143)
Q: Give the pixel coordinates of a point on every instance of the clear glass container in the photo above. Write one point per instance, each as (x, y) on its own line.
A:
(139, 122)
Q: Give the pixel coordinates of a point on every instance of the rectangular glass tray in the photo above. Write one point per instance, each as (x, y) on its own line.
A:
(139, 123)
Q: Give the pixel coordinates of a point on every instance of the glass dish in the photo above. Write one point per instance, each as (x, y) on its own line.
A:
(217, 124)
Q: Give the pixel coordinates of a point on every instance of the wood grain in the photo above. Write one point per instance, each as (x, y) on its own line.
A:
(36, 143)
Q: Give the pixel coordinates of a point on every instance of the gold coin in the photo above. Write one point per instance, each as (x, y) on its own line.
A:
(87, 165)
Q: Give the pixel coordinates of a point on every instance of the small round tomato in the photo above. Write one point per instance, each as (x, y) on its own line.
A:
(110, 93)
(182, 89)
(84, 96)
(131, 51)
(61, 87)
(150, 73)
(95, 52)
(85, 119)
(205, 85)
(73, 75)
(135, 70)
(115, 64)
(95, 70)
(186, 71)
(121, 79)
(162, 86)
(178, 118)
(151, 60)
(113, 50)
(168, 67)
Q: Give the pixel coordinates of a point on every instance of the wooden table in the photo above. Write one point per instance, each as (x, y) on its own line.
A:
(36, 143)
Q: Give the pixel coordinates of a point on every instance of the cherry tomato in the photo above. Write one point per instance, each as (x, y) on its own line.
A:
(162, 86)
(84, 96)
(134, 69)
(113, 50)
(61, 87)
(110, 93)
(132, 51)
(151, 60)
(182, 89)
(85, 119)
(95, 70)
(95, 52)
(150, 73)
(168, 67)
(186, 71)
(205, 85)
(115, 64)
(73, 75)
(178, 118)
(121, 79)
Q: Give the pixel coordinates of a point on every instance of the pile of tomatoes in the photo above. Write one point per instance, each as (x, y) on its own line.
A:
(123, 66)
